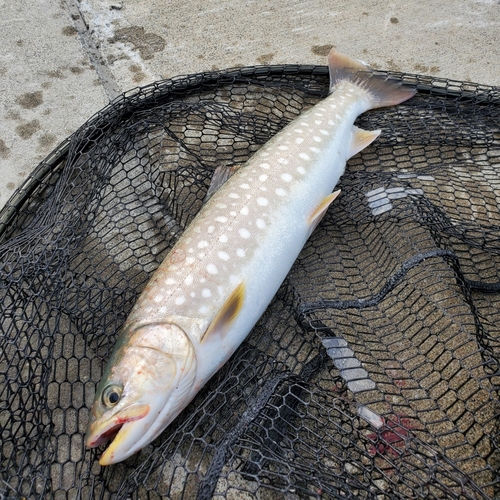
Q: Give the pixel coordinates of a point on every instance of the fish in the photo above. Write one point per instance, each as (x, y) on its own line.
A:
(220, 276)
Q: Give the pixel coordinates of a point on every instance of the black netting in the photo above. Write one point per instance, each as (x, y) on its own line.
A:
(374, 373)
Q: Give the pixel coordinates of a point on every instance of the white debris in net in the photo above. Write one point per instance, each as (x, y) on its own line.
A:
(379, 199)
(344, 359)
(370, 416)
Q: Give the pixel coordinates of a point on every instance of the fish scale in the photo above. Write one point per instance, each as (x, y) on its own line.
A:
(216, 282)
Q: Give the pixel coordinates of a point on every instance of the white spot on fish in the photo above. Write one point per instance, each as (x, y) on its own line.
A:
(265, 166)
(283, 148)
(221, 219)
(240, 252)
(158, 298)
(331, 122)
(223, 255)
(260, 224)
(192, 295)
(317, 138)
(210, 229)
(318, 114)
(190, 260)
(287, 177)
(304, 124)
(189, 280)
(149, 309)
(333, 106)
(212, 269)
(244, 233)
(263, 202)
(317, 122)
(263, 188)
(301, 170)
(202, 280)
(203, 309)
(244, 186)
(170, 281)
(206, 293)
(203, 244)
(299, 140)
(221, 205)
(280, 192)
(314, 150)
(232, 213)
(235, 196)
(162, 310)
(180, 300)
(244, 210)
(299, 131)
(223, 238)
(324, 132)
(304, 156)
(263, 177)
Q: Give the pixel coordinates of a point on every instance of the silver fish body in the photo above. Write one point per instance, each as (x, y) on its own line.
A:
(223, 272)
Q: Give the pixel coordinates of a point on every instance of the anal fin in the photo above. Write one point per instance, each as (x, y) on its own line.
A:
(227, 314)
(320, 210)
(361, 139)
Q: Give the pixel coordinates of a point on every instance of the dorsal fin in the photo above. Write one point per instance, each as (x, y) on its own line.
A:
(227, 314)
(220, 176)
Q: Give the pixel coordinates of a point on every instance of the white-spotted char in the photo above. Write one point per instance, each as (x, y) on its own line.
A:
(216, 282)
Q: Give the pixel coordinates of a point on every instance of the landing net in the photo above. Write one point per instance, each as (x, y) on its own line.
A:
(373, 374)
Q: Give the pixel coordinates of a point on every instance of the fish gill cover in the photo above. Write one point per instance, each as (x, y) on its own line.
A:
(374, 373)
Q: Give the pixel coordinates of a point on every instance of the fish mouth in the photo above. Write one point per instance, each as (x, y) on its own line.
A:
(108, 431)
(108, 435)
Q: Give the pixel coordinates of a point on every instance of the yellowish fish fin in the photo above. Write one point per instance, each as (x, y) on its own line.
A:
(361, 139)
(321, 209)
(380, 90)
(220, 176)
(227, 314)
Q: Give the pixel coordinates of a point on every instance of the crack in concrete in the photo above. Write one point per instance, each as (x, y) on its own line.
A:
(91, 49)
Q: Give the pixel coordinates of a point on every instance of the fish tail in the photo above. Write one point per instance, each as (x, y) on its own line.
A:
(380, 90)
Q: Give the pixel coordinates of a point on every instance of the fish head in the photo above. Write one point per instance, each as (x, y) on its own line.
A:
(147, 382)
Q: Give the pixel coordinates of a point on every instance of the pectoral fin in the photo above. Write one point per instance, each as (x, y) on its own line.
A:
(361, 139)
(227, 314)
(320, 210)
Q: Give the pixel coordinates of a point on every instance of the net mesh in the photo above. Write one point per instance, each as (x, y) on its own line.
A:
(374, 373)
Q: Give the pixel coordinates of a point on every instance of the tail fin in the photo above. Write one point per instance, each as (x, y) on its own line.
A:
(381, 91)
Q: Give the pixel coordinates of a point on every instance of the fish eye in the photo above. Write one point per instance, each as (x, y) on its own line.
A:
(111, 395)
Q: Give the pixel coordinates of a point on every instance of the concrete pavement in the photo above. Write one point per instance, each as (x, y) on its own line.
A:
(63, 60)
